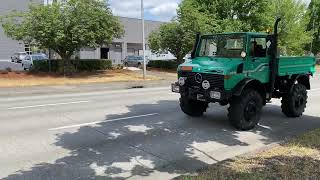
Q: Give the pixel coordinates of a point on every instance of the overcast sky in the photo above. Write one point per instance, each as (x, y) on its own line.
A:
(159, 10)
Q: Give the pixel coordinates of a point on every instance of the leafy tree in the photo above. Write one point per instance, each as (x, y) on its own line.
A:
(292, 29)
(314, 26)
(207, 16)
(173, 38)
(64, 27)
(195, 17)
(224, 15)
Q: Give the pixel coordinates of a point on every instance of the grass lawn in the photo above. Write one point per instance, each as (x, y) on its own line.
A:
(299, 158)
(24, 79)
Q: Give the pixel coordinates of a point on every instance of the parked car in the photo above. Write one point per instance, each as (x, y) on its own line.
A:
(27, 62)
(134, 61)
(18, 57)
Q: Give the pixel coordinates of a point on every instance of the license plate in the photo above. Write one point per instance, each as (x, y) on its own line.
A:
(200, 97)
(175, 88)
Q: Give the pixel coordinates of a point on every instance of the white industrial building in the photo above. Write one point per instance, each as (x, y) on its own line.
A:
(129, 44)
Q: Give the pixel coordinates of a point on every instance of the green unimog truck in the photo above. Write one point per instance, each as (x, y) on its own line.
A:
(245, 71)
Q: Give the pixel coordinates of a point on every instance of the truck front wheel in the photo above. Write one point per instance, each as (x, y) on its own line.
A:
(294, 103)
(193, 108)
(245, 110)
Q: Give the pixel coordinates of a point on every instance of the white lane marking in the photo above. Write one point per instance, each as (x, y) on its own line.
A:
(44, 105)
(97, 122)
(172, 93)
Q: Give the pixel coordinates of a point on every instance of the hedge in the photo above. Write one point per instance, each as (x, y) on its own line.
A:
(163, 64)
(76, 65)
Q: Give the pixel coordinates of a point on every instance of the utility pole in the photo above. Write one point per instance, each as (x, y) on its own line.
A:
(314, 16)
(143, 42)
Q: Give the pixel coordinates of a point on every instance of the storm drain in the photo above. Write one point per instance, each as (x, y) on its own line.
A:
(136, 87)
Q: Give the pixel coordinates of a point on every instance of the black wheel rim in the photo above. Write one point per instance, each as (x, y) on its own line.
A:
(250, 111)
(299, 101)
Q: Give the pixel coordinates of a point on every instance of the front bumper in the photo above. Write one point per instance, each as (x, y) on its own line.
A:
(197, 93)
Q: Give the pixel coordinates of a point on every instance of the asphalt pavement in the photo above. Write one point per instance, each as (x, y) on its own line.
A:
(128, 134)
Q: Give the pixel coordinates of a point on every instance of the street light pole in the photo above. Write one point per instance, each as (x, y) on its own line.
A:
(143, 42)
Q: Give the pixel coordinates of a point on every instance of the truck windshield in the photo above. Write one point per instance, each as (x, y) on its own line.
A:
(222, 46)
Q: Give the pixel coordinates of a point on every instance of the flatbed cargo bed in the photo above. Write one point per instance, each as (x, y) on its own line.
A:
(296, 65)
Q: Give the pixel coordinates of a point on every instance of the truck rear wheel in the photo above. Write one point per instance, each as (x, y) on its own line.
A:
(193, 108)
(245, 110)
(294, 103)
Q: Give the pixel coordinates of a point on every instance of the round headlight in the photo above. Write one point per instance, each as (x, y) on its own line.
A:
(243, 54)
(205, 85)
(181, 81)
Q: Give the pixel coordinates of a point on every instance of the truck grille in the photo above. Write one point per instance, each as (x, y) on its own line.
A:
(215, 80)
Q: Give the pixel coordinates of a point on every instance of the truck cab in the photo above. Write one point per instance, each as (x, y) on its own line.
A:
(245, 71)
(227, 58)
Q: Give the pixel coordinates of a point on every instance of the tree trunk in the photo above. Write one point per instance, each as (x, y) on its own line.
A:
(180, 60)
(66, 63)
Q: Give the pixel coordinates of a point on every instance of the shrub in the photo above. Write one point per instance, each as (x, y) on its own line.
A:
(40, 66)
(163, 64)
(92, 65)
(117, 66)
(76, 65)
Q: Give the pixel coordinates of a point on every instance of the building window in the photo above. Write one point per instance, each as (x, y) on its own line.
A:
(27, 48)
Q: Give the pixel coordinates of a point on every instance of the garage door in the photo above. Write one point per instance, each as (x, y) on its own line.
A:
(130, 52)
(116, 56)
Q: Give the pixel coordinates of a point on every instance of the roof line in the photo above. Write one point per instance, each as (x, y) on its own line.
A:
(140, 19)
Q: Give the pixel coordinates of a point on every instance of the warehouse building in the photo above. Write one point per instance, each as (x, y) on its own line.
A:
(129, 44)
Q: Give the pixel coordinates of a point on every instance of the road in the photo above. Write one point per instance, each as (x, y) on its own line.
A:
(132, 133)
(4, 64)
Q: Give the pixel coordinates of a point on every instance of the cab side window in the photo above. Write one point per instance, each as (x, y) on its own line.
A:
(258, 47)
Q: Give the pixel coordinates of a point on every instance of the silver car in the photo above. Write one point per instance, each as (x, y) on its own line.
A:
(18, 57)
(134, 61)
(27, 62)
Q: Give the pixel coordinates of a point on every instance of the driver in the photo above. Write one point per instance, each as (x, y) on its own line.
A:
(253, 48)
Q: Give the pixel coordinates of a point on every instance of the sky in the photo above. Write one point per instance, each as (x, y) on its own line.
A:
(158, 10)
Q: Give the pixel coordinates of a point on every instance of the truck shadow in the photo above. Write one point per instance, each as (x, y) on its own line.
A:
(165, 144)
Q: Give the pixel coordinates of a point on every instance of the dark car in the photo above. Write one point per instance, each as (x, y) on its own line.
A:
(134, 61)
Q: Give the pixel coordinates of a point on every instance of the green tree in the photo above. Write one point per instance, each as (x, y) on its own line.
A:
(195, 17)
(293, 36)
(207, 16)
(173, 38)
(314, 26)
(64, 27)
(223, 15)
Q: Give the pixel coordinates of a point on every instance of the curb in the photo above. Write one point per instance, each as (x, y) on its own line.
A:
(64, 89)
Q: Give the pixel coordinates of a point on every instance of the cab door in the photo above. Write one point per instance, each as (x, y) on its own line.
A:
(258, 61)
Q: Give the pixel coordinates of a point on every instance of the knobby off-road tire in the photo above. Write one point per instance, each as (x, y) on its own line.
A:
(193, 108)
(245, 110)
(294, 103)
